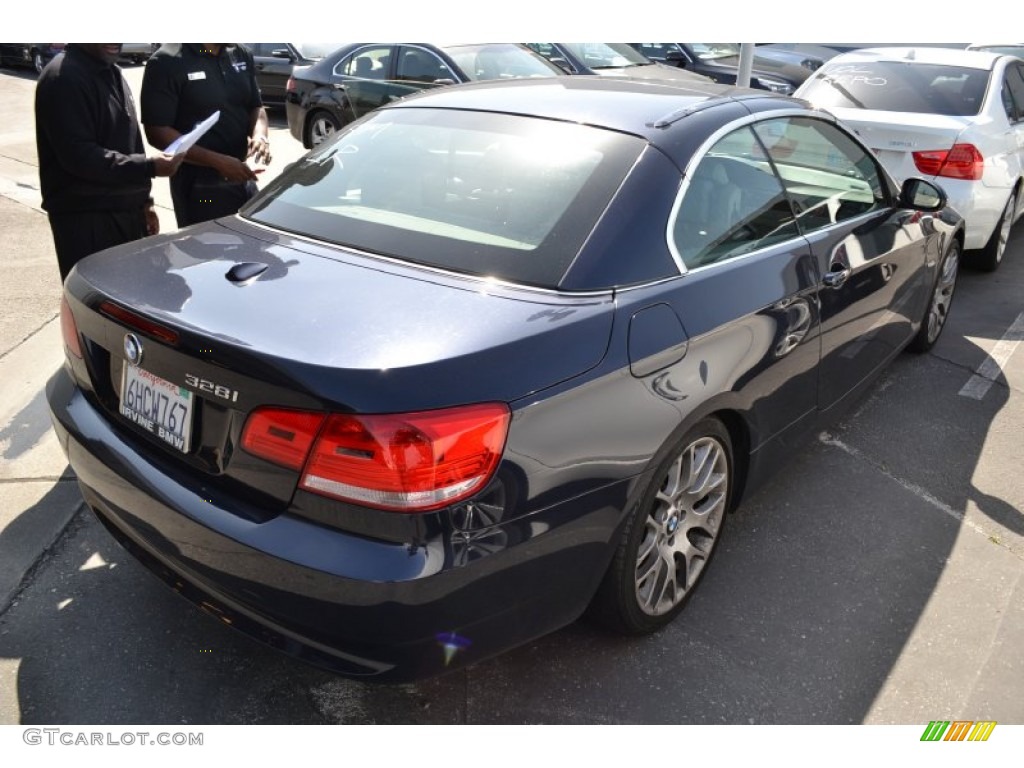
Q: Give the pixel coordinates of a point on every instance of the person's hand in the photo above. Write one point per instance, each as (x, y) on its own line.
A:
(152, 220)
(234, 170)
(167, 165)
(259, 150)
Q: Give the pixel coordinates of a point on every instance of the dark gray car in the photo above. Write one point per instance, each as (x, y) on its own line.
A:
(275, 62)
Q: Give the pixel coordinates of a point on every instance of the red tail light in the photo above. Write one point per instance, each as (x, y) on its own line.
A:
(69, 329)
(139, 323)
(281, 436)
(410, 462)
(963, 161)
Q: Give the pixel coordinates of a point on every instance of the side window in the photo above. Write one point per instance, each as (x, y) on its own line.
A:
(421, 66)
(827, 175)
(734, 204)
(1015, 83)
(366, 64)
(1008, 106)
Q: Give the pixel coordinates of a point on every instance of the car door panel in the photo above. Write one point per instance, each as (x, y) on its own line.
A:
(272, 72)
(870, 259)
(877, 289)
(768, 356)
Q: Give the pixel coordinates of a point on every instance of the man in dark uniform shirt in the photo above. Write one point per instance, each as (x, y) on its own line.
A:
(184, 84)
(93, 171)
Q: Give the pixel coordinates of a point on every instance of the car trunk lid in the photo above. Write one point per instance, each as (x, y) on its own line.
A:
(305, 326)
(895, 136)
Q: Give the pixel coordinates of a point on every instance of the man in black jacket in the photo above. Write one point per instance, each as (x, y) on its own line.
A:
(184, 84)
(93, 171)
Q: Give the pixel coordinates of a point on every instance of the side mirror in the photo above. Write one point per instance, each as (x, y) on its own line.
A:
(282, 53)
(922, 195)
(676, 59)
(444, 81)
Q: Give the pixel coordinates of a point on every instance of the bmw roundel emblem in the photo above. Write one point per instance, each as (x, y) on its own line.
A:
(132, 348)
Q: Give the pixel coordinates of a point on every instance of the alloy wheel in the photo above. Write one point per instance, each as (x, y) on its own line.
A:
(942, 297)
(1005, 225)
(682, 526)
(322, 128)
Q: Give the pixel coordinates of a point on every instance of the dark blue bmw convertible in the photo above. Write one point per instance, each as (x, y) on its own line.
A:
(491, 357)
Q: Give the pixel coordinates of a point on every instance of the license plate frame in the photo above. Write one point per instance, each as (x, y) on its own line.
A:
(160, 407)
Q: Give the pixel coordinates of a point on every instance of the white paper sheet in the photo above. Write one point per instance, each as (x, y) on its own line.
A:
(184, 143)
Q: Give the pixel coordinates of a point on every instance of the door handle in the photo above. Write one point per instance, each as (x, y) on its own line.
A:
(836, 278)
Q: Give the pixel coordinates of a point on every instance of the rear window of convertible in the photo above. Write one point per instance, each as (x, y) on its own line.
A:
(498, 195)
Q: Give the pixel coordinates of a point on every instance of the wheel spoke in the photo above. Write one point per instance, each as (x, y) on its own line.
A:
(648, 544)
(671, 487)
(650, 584)
(669, 593)
(709, 482)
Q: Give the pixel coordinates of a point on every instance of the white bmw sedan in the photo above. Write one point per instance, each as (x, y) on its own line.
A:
(953, 116)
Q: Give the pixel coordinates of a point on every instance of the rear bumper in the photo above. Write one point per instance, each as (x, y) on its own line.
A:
(296, 119)
(360, 607)
(980, 205)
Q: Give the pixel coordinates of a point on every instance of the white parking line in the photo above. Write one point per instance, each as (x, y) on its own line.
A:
(827, 438)
(978, 385)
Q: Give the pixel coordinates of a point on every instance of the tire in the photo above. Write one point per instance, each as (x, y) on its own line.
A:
(671, 536)
(991, 255)
(941, 300)
(319, 127)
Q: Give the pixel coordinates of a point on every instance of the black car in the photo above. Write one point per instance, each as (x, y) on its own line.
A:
(720, 62)
(490, 357)
(33, 55)
(612, 60)
(138, 53)
(806, 55)
(360, 77)
(275, 62)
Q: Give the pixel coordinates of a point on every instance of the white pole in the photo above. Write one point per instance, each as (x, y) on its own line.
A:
(746, 64)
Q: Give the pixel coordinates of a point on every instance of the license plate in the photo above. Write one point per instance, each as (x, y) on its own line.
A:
(158, 406)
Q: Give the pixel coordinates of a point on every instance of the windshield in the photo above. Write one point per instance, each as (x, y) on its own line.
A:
(488, 194)
(711, 51)
(607, 55)
(499, 61)
(899, 86)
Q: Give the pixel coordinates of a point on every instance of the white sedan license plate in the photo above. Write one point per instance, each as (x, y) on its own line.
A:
(157, 405)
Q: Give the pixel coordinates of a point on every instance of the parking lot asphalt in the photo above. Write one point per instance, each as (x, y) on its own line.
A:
(877, 579)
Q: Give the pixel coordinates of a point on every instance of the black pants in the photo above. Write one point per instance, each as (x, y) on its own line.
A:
(78, 234)
(199, 194)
